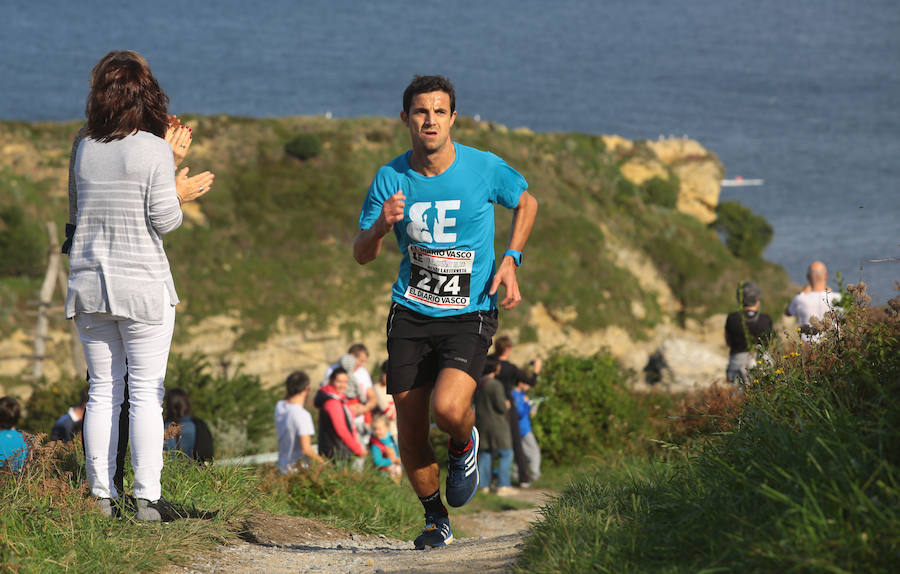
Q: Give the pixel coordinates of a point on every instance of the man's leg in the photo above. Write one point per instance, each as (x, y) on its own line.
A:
(413, 424)
(453, 412)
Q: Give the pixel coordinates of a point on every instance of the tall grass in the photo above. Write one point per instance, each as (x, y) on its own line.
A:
(49, 523)
(807, 481)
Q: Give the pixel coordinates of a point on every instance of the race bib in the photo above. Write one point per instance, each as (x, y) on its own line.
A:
(440, 278)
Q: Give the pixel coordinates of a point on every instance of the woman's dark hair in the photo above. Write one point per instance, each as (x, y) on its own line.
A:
(427, 84)
(295, 383)
(125, 97)
(335, 373)
(178, 404)
(9, 412)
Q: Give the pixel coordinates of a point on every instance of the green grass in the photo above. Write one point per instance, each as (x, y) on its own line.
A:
(48, 524)
(806, 481)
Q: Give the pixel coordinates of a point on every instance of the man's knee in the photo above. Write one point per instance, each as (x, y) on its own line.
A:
(449, 415)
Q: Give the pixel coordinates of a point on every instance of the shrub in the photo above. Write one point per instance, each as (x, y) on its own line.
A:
(304, 146)
(807, 480)
(237, 406)
(22, 244)
(746, 234)
(585, 407)
(662, 192)
(49, 402)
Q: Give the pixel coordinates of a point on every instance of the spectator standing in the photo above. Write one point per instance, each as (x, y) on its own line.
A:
(491, 408)
(360, 392)
(740, 324)
(815, 301)
(193, 437)
(120, 291)
(510, 375)
(384, 451)
(294, 425)
(524, 409)
(70, 424)
(13, 449)
(337, 434)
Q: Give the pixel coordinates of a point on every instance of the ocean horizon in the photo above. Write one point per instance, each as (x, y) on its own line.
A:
(802, 95)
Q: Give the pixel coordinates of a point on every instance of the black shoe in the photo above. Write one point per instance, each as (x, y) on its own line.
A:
(437, 533)
(462, 473)
(159, 510)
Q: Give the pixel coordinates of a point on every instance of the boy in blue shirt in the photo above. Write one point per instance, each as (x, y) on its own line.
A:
(438, 199)
(13, 448)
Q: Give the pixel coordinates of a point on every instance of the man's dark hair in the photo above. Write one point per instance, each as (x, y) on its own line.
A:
(84, 395)
(295, 383)
(357, 348)
(178, 404)
(334, 374)
(502, 344)
(426, 84)
(490, 365)
(9, 412)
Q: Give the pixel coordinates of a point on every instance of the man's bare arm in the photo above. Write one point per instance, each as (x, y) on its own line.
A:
(523, 220)
(367, 244)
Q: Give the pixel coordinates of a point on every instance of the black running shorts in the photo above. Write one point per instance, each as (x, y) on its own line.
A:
(419, 346)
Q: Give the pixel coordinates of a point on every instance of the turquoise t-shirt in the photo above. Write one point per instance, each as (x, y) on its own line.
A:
(12, 449)
(447, 232)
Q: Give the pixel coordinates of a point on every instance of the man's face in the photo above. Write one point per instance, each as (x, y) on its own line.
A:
(429, 120)
(361, 359)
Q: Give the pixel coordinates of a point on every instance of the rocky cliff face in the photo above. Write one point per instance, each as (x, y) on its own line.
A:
(693, 354)
(699, 173)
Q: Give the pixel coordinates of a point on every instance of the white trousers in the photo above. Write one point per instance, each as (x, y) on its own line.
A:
(107, 340)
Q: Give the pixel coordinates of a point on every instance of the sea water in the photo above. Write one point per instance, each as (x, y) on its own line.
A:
(803, 94)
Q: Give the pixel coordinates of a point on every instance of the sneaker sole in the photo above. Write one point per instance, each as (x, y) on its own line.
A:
(444, 543)
(475, 444)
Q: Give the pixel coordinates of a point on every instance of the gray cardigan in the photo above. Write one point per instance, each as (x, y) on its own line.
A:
(125, 201)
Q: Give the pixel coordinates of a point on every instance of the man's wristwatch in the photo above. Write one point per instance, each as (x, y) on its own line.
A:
(516, 255)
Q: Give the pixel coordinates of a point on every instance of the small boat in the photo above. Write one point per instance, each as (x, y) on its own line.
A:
(739, 181)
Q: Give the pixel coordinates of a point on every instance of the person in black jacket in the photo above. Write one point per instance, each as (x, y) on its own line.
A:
(510, 375)
(193, 437)
(740, 325)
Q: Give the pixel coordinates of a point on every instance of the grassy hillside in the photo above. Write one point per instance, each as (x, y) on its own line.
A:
(276, 240)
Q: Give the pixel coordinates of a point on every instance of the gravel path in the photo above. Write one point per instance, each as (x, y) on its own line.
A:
(298, 545)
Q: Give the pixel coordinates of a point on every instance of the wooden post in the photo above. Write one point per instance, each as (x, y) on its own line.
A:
(77, 351)
(40, 333)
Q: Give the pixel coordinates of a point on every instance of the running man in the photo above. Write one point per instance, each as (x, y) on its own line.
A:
(444, 310)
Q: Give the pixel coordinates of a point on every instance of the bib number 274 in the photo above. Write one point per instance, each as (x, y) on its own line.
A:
(440, 279)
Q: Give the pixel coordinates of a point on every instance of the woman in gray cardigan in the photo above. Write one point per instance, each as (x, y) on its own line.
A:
(121, 294)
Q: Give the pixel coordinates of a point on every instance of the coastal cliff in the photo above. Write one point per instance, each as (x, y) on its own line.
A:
(623, 255)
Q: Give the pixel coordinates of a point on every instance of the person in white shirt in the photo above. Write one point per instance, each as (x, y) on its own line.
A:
(294, 425)
(816, 300)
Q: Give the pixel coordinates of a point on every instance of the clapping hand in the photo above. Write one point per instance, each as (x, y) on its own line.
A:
(178, 136)
(190, 188)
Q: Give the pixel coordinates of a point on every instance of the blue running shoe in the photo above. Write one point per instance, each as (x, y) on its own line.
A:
(462, 473)
(437, 533)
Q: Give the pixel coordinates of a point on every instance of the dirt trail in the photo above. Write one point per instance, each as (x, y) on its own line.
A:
(293, 545)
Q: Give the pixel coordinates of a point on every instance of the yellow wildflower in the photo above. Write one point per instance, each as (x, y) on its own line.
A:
(779, 371)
